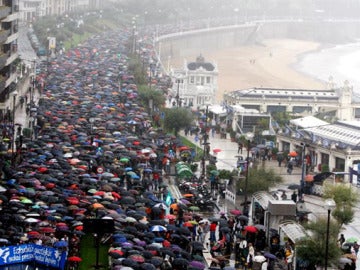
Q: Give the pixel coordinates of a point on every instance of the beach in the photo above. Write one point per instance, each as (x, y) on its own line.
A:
(269, 64)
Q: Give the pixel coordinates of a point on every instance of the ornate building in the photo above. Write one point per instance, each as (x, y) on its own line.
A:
(339, 103)
(195, 85)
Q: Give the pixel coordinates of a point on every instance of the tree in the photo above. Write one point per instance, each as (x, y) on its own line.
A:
(311, 250)
(176, 119)
(146, 94)
(345, 198)
(259, 179)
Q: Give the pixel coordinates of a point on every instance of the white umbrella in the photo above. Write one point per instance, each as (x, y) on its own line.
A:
(259, 258)
(31, 220)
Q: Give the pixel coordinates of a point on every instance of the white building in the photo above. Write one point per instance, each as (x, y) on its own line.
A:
(195, 85)
(336, 146)
(29, 10)
(340, 103)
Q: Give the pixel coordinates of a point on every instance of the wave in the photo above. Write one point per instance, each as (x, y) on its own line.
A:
(341, 63)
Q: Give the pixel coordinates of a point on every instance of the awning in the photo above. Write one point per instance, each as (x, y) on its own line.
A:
(293, 230)
(263, 199)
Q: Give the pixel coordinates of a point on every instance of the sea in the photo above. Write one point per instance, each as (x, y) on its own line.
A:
(338, 64)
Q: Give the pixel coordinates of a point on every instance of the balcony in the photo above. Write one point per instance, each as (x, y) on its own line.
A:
(3, 58)
(4, 35)
(4, 11)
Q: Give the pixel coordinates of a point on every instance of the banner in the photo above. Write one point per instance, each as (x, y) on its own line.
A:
(48, 256)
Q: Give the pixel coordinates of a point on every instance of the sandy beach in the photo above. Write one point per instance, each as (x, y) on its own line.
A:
(269, 64)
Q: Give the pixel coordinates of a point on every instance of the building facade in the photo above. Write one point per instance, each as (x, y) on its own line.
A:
(334, 146)
(29, 10)
(9, 49)
(195, 85)
(338, 102)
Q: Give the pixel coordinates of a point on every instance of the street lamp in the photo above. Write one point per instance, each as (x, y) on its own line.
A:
(14, 94)
(249, 136)
(303, 170)
(178, 81)
(329, 206)
(205, 136)
(91, 120)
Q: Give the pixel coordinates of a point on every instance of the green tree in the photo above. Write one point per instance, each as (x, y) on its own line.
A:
(260, 179)
(345, 198)
(176, 119)
(312, 248)
(146, 94)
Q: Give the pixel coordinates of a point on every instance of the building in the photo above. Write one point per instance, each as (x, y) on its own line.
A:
(8, 52)
(338, 102)
(335, 146)
(195, 85)
(31, 9)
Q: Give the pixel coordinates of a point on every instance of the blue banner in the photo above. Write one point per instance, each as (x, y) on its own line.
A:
(48, 256)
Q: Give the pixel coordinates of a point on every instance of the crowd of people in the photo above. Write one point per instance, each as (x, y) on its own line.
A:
(96, 155)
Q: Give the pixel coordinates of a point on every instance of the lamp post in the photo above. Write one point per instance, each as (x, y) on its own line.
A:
(329, 206)
(178, 81)
(91, 120)
(14, 94)
(303, 170)
(205, 136)
(249, 136)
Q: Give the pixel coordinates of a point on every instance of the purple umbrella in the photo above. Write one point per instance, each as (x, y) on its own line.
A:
(197, 265)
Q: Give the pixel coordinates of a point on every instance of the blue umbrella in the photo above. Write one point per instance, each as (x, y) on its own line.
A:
(61, 243)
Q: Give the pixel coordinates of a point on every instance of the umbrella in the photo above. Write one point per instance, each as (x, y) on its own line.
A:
(293, 154)
(269, 255)
(251, 229)
(180, 262)
(235, 212)
(259, 258)
(214, 172)
(170, 216)
(260, 227)
(216, 150)
(352, 240)
(197, 265)
(322, 176)
(137, 258)
(309, 178)
(294, 186)
(74, 259)
(194, 208)
(158, 228)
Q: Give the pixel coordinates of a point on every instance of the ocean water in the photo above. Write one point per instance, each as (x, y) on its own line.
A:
(341, 62)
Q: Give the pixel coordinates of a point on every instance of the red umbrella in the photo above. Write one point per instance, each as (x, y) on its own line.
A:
(74, 259)
(170, 216)
(216, 150)
(47, 230)
(137, 258)
(250, 229)
(235, 212)
(184, 148)
(309, 178)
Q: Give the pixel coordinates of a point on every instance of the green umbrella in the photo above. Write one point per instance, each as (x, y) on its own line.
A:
(194, 208)
(124, 159)
(184, 172)
(352, 240)
(215, 172)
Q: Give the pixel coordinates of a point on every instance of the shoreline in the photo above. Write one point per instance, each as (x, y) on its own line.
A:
(274, 65)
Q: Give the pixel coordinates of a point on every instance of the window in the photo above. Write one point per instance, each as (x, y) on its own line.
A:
(208, 79)
(198, 80)
(202, 80)
(192, 80)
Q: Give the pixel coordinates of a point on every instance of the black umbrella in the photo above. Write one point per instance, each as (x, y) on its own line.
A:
(322, 176)
(180, 262)
(294, 186)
